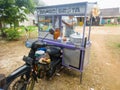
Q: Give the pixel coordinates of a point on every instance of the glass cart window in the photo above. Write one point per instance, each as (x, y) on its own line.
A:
(45, 24)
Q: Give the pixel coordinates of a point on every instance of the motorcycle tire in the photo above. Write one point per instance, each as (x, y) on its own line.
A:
(21, 82)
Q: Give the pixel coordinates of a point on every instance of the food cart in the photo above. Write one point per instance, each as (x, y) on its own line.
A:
(76, 48)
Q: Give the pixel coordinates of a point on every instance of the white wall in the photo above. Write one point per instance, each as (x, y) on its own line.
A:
(30, 18)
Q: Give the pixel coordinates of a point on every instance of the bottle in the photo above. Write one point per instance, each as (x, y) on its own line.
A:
(56, 33)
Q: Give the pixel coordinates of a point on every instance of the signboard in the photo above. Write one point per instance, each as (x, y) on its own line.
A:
(64, 10)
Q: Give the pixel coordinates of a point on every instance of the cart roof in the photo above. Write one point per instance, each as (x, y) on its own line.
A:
(80, 9)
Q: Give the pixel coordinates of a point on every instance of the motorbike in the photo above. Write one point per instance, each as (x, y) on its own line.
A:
(43, 61)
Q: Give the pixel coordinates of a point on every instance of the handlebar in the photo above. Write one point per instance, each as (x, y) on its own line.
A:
(40, 44)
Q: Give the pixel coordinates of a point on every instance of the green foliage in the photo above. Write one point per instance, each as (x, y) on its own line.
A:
(14, 11)
(12, 34)
(118, 19)
(28, 4)
(112, 25)
(32, 31)
(32, 28)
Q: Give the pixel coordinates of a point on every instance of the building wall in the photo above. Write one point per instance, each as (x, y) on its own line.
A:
(109, 20)
(110, 15)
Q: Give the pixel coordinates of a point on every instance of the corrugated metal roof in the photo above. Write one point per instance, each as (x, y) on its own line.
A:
(110, 12)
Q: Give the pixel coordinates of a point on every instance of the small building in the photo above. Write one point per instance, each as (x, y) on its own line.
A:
(109, 15)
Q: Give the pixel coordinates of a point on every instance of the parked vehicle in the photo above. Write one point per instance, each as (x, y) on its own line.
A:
(42, 61)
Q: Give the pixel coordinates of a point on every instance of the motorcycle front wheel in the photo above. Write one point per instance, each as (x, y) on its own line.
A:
(21, 82)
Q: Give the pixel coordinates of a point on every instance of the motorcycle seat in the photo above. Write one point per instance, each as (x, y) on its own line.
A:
(53, 50)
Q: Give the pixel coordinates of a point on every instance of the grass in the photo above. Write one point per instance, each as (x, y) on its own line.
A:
(32, 31)
(113, 43)
(111, 25)
(118, 45)
(32, 28)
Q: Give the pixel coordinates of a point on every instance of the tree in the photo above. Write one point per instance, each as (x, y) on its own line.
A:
(28, 4)
(14, 11)
(39, 3)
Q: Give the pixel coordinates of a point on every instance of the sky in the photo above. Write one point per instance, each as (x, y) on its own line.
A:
(101, 3)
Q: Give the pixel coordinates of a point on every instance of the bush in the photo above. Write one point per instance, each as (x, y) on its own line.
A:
(118, 19)
(12, 34)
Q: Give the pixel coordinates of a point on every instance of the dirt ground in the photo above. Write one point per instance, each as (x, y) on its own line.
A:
(102, 72)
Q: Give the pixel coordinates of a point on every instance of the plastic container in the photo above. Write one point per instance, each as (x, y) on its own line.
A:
(39, 53)
(76, 38)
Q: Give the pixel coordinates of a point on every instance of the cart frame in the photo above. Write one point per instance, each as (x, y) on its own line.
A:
(76, 9)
